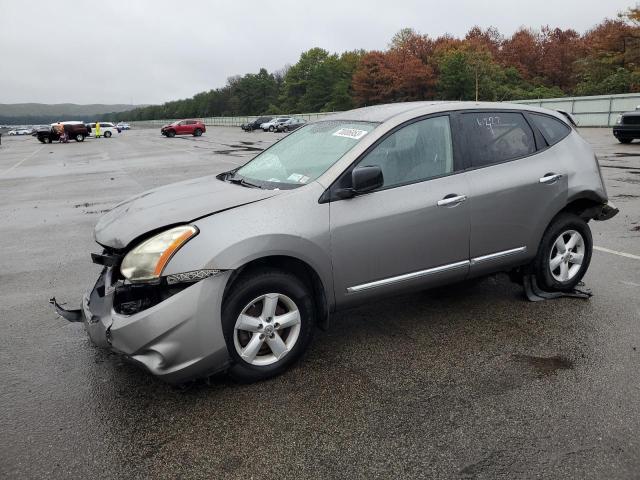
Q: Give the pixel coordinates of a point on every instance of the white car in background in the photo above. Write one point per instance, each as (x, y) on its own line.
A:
(123, 126)
(19, 131)
(107, 129)
(271, 126)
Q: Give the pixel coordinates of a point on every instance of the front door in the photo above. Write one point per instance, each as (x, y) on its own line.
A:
(411, 233)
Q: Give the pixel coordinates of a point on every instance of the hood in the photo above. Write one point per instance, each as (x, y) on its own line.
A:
(172, 204)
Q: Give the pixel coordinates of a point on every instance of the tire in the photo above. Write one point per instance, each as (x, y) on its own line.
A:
(625, 140)
(49, 140)
(41, 140)
(79, 137)
(247, 297)
(197, 132)
(568, 272)
(107, 134)
(285, 129)
(171, 133)
(271, 128)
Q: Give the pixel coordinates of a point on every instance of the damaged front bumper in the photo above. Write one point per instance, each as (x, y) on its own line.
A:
(177, 337)
(606, 211)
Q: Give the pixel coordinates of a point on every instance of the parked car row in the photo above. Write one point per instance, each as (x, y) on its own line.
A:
(273, 124)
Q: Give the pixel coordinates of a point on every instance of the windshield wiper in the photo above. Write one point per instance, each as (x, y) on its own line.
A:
(241, 181)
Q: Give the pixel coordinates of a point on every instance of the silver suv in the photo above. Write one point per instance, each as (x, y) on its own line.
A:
(233, 272)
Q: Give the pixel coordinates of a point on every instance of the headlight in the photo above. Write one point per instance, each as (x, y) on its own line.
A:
(147, 260)
(619, 120)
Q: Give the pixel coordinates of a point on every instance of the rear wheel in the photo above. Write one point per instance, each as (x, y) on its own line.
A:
(564, 253)
(107, 134)
(285, 129)
(197, 132)
(268, 320)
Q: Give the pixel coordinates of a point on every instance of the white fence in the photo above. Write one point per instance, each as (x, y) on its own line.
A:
(596, 111)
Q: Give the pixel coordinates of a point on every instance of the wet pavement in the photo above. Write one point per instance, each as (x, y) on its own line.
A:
(469, 381)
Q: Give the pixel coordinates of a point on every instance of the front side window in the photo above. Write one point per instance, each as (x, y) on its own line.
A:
(417, 152)
(304, 155)
(552, 129)
(494, 137)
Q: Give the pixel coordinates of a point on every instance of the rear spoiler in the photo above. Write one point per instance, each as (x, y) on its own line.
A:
(570, 118)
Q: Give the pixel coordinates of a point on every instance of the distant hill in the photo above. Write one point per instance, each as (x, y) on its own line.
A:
(34, 113)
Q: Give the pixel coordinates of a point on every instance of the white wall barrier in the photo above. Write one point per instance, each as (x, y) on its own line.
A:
(595, 111)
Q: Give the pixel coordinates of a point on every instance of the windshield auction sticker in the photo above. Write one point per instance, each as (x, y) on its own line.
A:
(350, 133)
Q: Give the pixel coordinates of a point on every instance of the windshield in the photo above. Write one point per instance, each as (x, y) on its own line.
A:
(304, 155)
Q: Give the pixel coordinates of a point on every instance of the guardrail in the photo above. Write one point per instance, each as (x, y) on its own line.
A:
(595, 111)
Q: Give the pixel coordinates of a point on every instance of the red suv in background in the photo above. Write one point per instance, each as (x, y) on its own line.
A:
(184, 127)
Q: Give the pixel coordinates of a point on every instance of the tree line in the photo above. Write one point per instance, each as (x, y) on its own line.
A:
(484, 65)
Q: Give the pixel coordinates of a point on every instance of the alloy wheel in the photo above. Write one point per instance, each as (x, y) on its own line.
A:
(267, 329)
(567, 255)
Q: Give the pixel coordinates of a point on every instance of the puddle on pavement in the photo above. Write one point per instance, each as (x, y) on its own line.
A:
(627, 154)
(545, 366)
(236, 150)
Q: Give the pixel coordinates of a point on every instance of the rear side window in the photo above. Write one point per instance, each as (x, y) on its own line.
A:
(551, 128)
(495, 137)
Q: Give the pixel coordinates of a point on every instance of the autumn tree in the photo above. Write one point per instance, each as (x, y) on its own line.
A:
(523, 50)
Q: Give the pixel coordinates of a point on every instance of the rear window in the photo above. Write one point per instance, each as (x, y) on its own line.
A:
(495, 137)
(552, 129)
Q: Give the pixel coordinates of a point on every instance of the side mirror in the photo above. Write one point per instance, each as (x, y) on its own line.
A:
(363, 180)
(366, 179)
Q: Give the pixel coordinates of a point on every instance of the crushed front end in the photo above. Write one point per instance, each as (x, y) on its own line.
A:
(172, 326)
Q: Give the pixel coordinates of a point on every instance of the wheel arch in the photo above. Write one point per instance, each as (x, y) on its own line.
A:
(297, 267)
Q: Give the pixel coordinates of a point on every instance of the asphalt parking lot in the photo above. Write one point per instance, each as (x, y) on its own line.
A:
(469, 381)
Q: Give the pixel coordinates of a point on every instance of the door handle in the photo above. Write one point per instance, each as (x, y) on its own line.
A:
(550, 177)
(451, 200)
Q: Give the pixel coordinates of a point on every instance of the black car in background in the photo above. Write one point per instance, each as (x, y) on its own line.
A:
(75, 130)
(627, 127)
(255, 124)
(290, 124)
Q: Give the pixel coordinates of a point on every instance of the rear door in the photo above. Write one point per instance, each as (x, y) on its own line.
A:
(516, 186)
(413, 232)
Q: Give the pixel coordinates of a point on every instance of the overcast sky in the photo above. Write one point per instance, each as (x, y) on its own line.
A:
(144, 51)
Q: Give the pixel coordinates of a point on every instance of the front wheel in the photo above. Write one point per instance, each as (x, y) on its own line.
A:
(625, 140)
(171, 134)
(79, 137)
(564, 253)
(268, 321)
(271, 128)
(107, 134)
